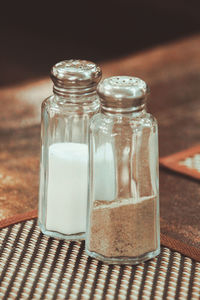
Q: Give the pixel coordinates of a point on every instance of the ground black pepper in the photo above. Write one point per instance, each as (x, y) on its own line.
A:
(123, 228)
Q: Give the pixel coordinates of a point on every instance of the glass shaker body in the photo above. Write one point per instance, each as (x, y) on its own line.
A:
(123, 207)
(64, 158)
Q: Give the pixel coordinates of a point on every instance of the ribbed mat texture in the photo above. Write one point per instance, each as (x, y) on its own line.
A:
(33, 266)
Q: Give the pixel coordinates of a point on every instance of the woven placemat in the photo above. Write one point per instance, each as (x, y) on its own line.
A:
(186, 162)
(33, 266)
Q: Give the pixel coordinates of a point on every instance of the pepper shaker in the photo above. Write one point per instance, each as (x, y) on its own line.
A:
(123, 206)
(64, 148)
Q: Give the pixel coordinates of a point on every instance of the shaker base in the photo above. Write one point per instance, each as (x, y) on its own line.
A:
(124, 260)
(61, 236)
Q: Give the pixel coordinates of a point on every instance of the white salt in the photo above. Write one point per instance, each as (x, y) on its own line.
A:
(104, 175)
(68, 185)
(67, 188)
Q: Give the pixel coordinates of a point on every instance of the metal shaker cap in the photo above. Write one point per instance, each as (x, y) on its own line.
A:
(75, 74)
(121, 92)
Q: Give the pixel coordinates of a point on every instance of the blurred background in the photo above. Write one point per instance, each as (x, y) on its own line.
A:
(35, 35)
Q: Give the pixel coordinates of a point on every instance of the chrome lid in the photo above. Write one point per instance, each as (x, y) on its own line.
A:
(122, 92)
(75, 74)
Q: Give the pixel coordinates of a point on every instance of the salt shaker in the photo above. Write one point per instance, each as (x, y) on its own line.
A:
(64, 148)
(123, 209)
